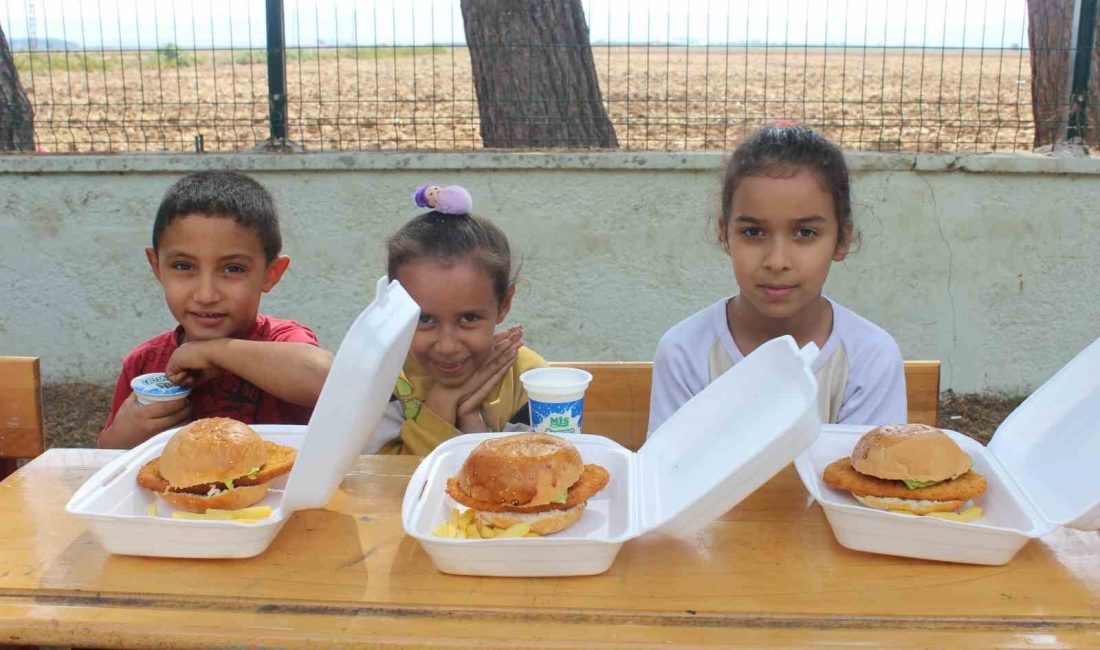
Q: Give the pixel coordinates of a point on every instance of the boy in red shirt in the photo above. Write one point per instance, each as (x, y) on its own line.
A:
(216, 250)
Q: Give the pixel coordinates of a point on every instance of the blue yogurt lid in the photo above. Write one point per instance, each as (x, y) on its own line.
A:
(155, 383)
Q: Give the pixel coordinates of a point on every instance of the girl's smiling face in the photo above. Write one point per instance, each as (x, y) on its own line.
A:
(459, 312)
(782, 233)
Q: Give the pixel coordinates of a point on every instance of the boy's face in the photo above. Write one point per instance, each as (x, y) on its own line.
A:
(459, 312)
(213, 272)
(782, 235)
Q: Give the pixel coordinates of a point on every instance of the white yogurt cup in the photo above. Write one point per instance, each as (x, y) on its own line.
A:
(155, 387)
(556, 398)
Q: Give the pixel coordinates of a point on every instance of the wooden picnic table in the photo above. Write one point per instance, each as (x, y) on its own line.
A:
(768, 574)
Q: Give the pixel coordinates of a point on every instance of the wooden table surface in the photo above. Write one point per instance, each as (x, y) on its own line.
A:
(768, 574)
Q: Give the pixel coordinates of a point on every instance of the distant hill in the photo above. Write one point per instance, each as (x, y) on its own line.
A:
(43, 44)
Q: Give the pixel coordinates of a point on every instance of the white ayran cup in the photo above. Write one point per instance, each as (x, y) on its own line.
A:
(556, 398)
(155, 387)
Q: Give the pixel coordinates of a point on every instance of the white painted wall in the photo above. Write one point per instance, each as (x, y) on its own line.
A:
(985, 262)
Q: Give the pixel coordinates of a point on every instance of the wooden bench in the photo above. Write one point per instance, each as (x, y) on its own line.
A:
(617, 403)
(20, 412)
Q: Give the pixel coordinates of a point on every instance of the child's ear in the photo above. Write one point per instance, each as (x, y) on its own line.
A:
(151, 256)
(844, 243)
(274, 272)
(723, 238)
(506, 304)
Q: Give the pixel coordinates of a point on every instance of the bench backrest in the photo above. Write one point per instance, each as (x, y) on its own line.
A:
(617, 402)
(20, 411)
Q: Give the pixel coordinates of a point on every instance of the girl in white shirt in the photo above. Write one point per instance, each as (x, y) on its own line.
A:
(785, 217)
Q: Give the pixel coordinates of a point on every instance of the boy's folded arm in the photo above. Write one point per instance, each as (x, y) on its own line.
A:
(292, 372)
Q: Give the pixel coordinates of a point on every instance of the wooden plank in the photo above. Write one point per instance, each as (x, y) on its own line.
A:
(922, 389)
(617, 402)
(20, 408)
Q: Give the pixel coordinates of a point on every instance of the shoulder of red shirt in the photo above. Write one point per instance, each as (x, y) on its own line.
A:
(282, 330)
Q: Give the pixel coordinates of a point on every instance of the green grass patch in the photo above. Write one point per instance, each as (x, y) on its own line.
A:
(371, 52)
(45, 62)
(170, 55)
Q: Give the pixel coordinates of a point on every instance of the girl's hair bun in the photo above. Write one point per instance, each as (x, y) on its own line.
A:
(453, 199)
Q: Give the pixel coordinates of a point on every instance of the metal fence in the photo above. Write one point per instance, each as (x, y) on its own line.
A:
(888, 75)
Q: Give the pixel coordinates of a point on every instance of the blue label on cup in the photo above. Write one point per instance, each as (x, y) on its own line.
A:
(557, 417)
(156, 384)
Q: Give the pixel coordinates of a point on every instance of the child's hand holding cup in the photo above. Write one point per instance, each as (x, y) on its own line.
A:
(556, 398)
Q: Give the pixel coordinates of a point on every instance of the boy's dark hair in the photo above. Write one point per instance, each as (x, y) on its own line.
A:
(779, 150)
(451, 237)
(222, 194)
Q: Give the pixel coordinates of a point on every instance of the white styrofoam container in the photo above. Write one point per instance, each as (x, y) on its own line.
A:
(1040, 465)
(717, 449)
(348, 410)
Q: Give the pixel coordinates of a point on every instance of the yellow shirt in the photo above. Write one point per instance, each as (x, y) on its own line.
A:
(423, 430)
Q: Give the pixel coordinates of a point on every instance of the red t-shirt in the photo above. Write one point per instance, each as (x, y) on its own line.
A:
(228, 395)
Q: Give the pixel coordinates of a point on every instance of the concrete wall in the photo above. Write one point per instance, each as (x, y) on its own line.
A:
(985, 262)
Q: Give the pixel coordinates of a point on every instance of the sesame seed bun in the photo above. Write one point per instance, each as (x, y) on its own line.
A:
(909, 451)
(529, 469)
(211, 450)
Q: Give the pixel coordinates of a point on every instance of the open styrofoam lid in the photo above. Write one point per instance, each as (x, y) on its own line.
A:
(730, 438)
(1050, 444)
(354, 396)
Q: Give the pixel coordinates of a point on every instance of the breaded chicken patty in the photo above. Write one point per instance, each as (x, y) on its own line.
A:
(841, 475)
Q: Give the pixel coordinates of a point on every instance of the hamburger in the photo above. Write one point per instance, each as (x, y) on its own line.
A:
(535, 478)
(911, 468)
(215, 463)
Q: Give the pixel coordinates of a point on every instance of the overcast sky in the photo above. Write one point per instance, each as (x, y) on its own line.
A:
(240, 23)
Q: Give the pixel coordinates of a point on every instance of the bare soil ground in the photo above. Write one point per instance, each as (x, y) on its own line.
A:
(75, 412)
(658, 98)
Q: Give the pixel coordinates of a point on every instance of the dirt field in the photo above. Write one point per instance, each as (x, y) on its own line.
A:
(659, 98)
(76, 412)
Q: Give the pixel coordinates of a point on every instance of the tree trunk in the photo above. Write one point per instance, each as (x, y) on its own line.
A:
(1049, 33)
(534, 74)
(16, 114)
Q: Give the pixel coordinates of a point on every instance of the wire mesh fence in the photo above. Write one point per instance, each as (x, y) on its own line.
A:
(887, 75)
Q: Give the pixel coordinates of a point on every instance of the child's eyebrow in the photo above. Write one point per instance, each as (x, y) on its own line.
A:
(237, 256)
(744, 218)
(816, 218)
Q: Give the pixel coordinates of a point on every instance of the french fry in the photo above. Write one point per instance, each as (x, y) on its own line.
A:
(516, 530)
(255, 512)
(179, 514)
(245, 515)
(973, 513)
(461, 525)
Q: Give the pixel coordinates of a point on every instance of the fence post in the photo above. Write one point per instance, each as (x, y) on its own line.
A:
(276, 81)
(1076, 128)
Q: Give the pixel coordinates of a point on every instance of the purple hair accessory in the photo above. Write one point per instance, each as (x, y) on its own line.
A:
(420, 195)
(453, 199)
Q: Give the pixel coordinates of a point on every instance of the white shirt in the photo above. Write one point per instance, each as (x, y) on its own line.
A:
(860, 373)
